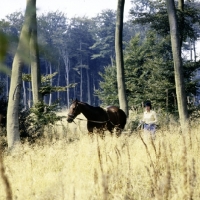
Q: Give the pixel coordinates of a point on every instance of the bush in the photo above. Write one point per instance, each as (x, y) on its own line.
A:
(40, 116)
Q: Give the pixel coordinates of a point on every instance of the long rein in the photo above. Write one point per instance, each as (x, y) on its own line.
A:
(100, 122)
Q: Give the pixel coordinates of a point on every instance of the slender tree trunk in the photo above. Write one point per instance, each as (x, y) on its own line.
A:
(22, 53)
(29, 92)
(119, 58)
(46, 72)
(81, 75)
(81, 84)
(75, 88)
(88, 87)
(178, 68)
(67, 67)
(34, 56)
(190, 44)
(182, 20)
(58, 82)
(194, 47)
(112, 61)
(94, 89)
(50, 95)
(68, 89)
(24, 95)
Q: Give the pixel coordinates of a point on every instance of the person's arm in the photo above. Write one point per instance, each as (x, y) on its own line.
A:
(142, 121)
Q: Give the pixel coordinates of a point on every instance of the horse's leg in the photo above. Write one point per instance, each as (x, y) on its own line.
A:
(118, 132)
(101, 133)
(90, 130)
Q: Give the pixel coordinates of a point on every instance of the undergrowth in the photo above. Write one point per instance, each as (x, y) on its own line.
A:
(74, 165)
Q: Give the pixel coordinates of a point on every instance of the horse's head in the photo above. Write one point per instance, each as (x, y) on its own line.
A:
(73, 111)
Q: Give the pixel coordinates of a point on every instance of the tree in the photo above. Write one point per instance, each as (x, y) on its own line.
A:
(148, 72)
(119, 57)
(178, 68)
(104, 36)
(34, 57)
(149, 75)
(21, 57)
(79, 40)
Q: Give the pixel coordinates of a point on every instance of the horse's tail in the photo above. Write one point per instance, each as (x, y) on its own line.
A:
(122, 118)
(117, 116)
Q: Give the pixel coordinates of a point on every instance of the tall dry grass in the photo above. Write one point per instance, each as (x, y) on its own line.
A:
(77, 166)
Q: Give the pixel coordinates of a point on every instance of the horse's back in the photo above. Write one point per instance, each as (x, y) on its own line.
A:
(117, 116)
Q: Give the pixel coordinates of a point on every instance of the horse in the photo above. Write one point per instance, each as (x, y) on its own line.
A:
(98, 118)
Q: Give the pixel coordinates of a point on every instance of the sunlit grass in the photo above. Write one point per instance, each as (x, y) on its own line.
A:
(77, 166)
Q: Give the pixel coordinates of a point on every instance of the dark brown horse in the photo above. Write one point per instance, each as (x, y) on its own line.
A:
(97, 117)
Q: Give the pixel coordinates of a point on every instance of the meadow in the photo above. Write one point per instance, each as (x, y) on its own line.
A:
(69, 164)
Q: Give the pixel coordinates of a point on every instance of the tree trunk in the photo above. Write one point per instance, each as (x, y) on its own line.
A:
(29, 92)
(182, 19)
(46, 97)
(88, 86)
(75, 88)
(190, 44)
(178, 68)
(24, 95)
(119, 57)
(22, 53)
(50, 95)
(194, 47)
(34, 56)
(81, 75)
(58, 82)
(67, 67)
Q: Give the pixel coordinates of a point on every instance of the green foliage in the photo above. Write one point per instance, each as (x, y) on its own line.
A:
(155, 16)
(41, 115)
(3, 45)
(108, 92)
(3, 50)
(46, 87)
(148, 72)
(104, 35)
(149, 75)
(44, 113)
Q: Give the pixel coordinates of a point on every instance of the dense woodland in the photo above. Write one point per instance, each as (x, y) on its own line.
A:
(59, 59)
(80, 51)
(50, 58)
(76, 49)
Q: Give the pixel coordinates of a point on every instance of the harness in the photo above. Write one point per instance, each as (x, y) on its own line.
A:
(71, 116)
(100, 122)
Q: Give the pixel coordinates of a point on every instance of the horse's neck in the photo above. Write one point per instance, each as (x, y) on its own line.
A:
(86, 110)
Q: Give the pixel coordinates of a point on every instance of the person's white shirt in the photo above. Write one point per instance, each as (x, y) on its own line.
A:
(149, 117)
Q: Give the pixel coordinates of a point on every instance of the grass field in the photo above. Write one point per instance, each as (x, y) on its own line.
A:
(69, 164)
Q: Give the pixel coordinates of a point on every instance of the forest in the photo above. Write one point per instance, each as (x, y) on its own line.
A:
(59, 136)
(80, 53)
(76, 50)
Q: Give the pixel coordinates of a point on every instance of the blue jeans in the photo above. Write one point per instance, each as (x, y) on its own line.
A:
(150, 127)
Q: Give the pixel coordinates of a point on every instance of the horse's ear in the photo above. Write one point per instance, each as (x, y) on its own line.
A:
(76, 99)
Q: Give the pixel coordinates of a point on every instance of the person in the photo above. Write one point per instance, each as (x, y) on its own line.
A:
(149, 120)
